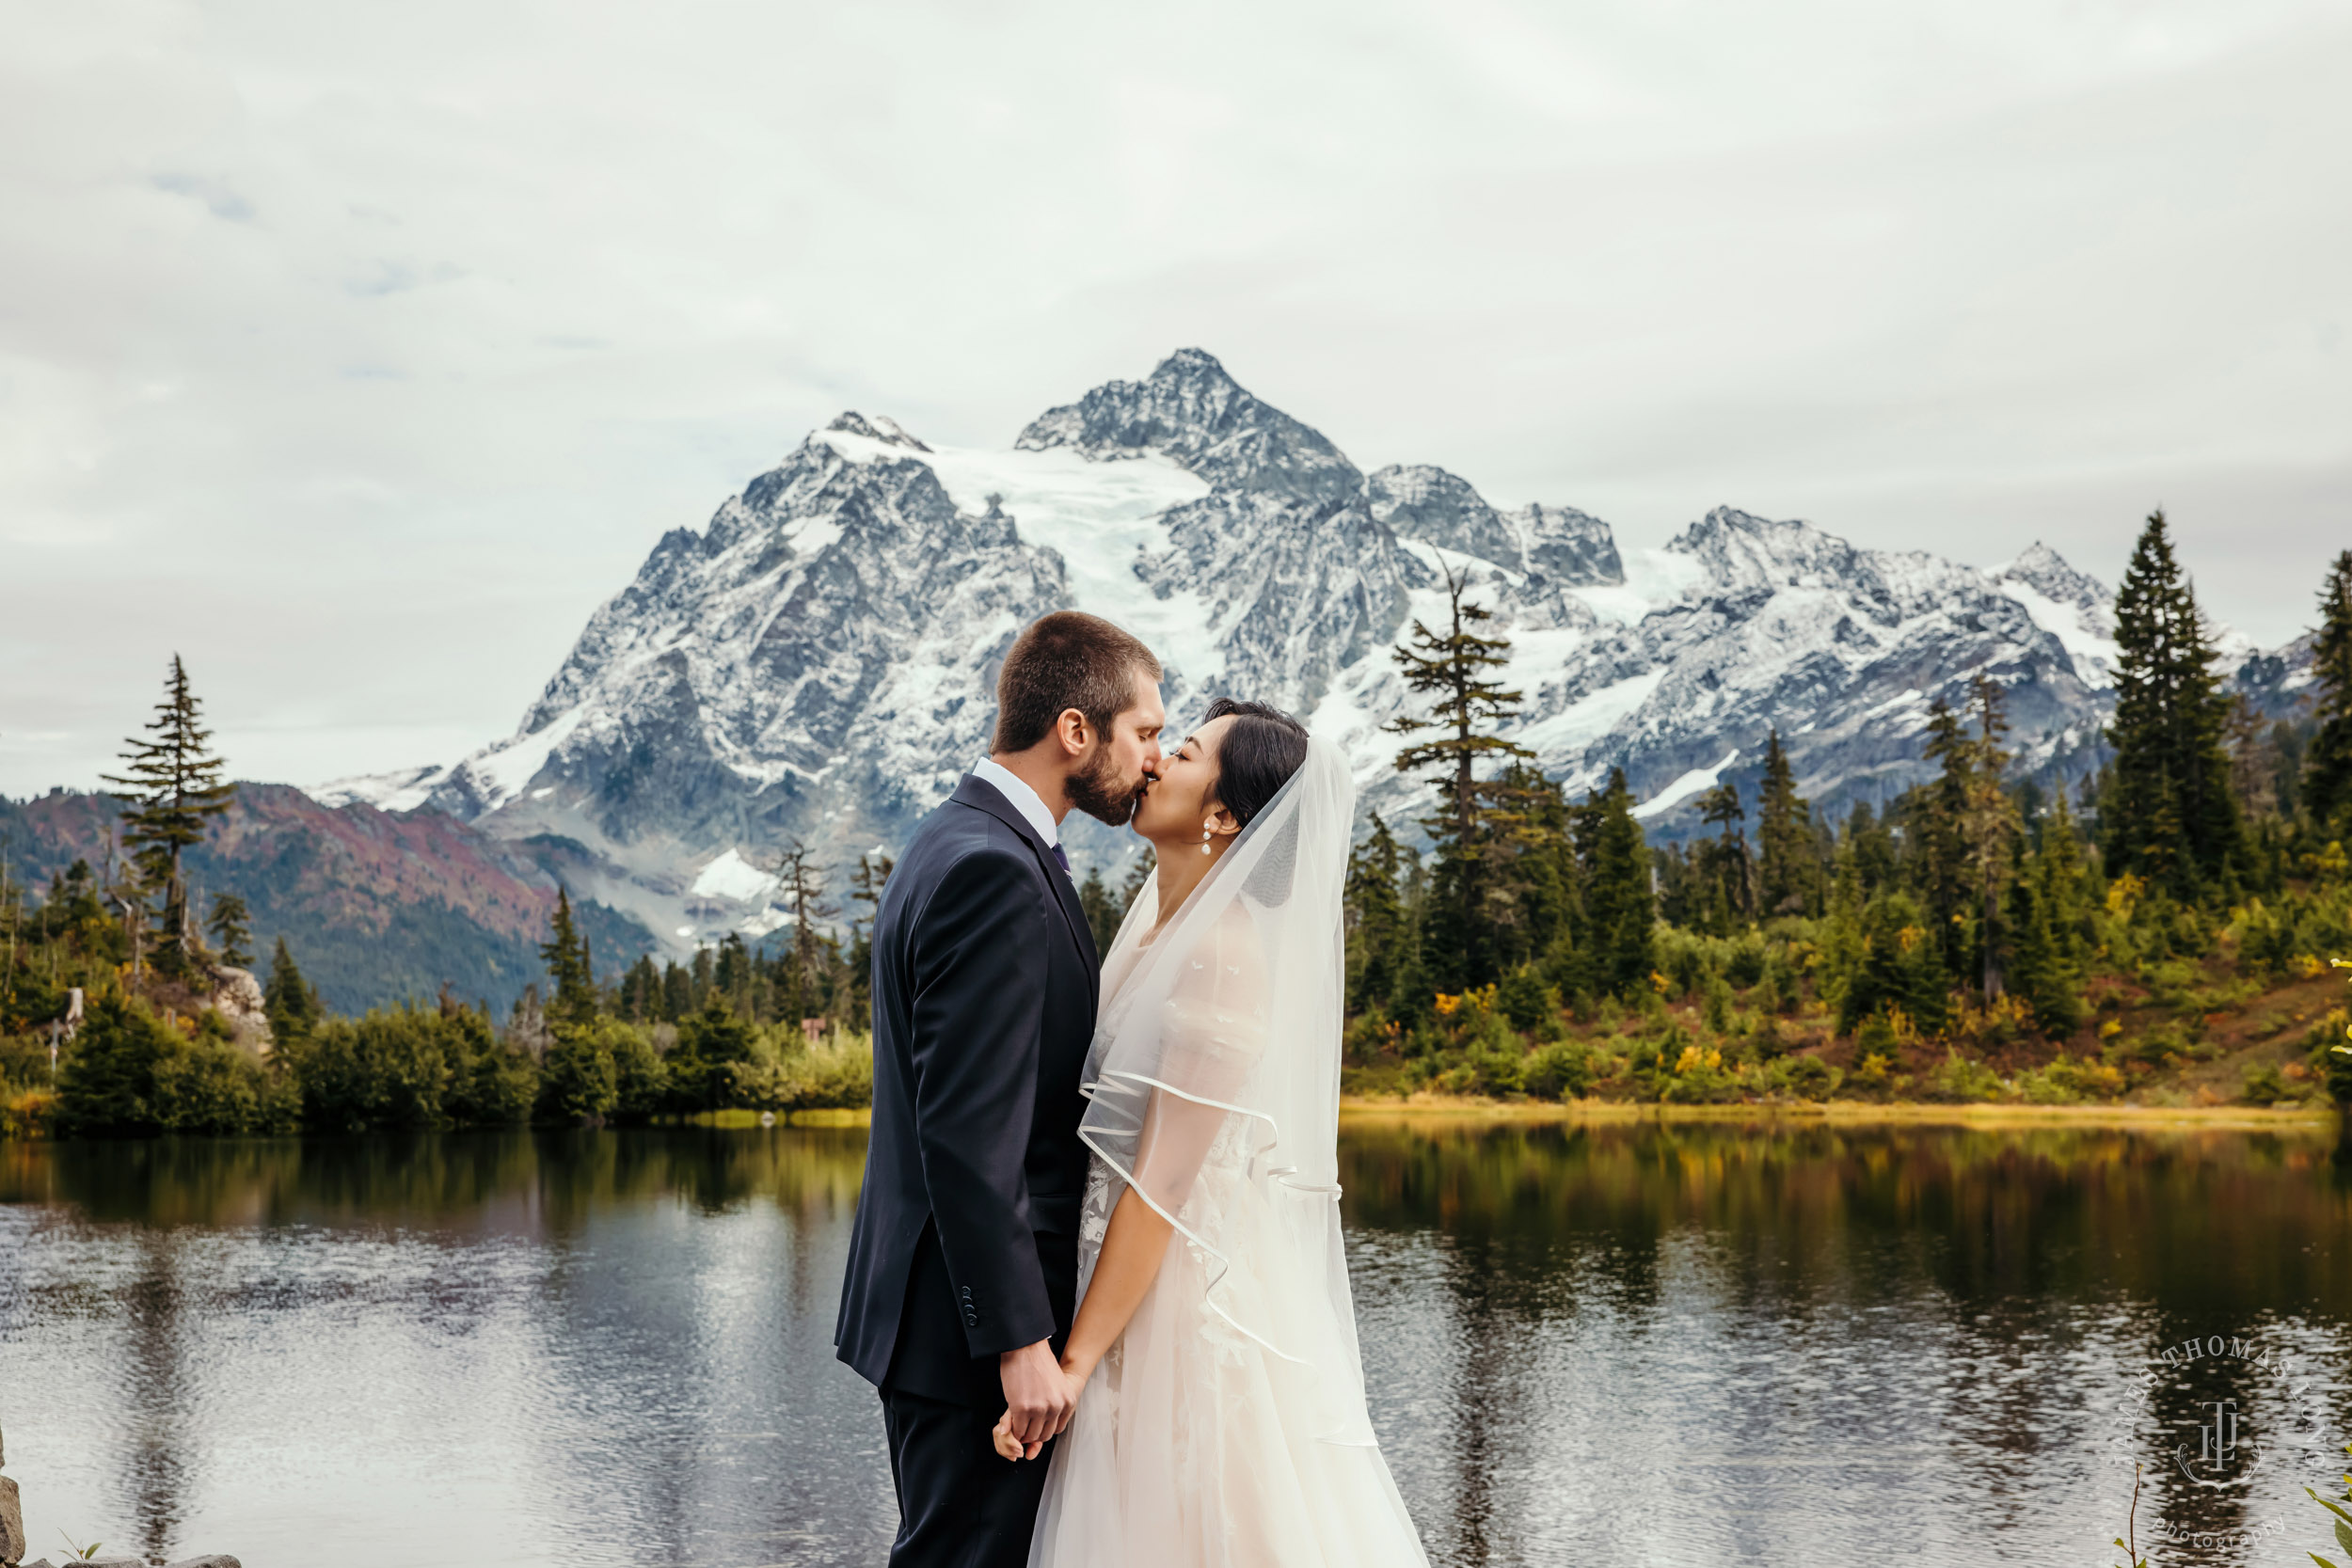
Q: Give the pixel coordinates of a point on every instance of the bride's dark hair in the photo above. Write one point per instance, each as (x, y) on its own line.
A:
(1259, 753)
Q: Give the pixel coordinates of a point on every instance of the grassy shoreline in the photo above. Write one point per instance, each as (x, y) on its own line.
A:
(1841, 1112)
(1471, 1108)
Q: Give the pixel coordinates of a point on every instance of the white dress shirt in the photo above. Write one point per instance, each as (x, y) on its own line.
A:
(1024, 799)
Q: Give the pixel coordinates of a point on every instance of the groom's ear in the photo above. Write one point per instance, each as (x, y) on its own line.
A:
(1071, 729)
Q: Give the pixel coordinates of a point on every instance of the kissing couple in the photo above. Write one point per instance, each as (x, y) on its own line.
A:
(1096, 1270)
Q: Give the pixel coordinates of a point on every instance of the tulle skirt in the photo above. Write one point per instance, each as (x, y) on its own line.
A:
(1199, 1444)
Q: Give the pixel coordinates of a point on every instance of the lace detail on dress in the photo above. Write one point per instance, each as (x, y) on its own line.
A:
(1094, 1219)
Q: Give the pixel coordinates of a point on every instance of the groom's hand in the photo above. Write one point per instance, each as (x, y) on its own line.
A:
(1038, 1399)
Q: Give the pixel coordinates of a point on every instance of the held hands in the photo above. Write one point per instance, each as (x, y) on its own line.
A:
(1041, 1396)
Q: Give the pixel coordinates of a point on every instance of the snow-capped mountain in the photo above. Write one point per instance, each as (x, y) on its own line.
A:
(818, 661)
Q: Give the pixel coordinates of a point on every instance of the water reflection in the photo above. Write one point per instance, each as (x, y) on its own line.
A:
(1624, 1343)
(1702, 1343)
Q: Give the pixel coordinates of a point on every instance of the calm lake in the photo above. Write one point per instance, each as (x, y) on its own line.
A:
(1602, 1344)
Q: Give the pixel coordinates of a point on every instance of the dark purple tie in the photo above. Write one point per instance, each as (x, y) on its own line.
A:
(1061, 860)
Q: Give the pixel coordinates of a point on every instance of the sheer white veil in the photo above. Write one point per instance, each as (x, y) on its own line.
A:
(1214, 1082)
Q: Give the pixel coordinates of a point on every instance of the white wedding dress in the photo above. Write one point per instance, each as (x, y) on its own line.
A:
(1226, 1427)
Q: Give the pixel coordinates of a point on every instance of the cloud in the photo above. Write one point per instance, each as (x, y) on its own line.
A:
(357, 353)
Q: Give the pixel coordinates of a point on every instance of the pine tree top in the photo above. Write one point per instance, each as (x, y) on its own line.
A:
(172, 781)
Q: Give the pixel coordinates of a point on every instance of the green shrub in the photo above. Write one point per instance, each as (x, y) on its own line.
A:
(2264, 1085)
(837, 1071)
(578, 1081)
(409, 1066)
(130, 1075)
(2069, 1080)
(28, 1113)
(1802, 1077)
(1961, 1078)
(1561, 1070)
(1716, 1011)
(1526, 1001)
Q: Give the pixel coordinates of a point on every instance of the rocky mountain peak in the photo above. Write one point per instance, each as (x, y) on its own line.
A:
(878, 428)
(1421, 502)
(1191, 411)
(2047, 572)
(1558, 546)
(1743, 552)
(1569, 547)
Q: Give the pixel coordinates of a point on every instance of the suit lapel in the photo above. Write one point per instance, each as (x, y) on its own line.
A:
(979, 793)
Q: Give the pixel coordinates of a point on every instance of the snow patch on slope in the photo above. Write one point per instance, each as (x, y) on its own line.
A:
(2095, 653)
(733, 877)
(1696, 781)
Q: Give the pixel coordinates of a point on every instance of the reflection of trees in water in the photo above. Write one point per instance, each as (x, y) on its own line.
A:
(2018, 1276)
(540, 1184)
(1814, 1214)
(639, 1348)
(156, 1469)
(1976, 1252)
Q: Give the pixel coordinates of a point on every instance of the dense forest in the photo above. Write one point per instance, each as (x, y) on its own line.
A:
(1981, 938)
(2160, 931)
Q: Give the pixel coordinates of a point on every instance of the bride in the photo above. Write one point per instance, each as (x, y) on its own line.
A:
(1220, 1414)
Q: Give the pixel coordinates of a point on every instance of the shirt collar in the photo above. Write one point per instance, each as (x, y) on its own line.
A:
(1020, 795)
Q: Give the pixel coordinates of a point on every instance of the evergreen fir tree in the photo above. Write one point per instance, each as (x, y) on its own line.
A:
(641, 992)
(1101, 910)
(803, 892)
(1452, 667)
(1376, 919)
(1937, 818)
(2253, 760)
(1989, 825)
(1726, 873)
(2172, 818)
(1788, 876)
(2327, 778)
(1530, 867)
(172, 786)
(292, 1006)
(574, 994)
(2042, 965)
(232, 931)
(677, 993)
(1615, 939)
(1871, 840)
(1899, 968)
(731, 974)
(2060, 871)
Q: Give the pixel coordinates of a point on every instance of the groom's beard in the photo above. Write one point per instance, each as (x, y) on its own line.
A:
(1101, 794)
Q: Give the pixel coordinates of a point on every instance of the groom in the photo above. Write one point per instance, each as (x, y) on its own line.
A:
(964, 1261)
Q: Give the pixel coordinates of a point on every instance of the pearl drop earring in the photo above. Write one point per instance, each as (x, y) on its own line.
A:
(1204, 840)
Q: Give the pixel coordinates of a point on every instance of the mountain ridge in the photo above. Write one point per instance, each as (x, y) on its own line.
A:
(818, 661)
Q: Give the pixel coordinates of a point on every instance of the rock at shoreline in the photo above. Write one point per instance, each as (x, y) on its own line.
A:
(217, 1560)
(12, 1542)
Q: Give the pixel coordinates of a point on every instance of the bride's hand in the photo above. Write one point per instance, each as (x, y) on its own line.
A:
(1009, 1447)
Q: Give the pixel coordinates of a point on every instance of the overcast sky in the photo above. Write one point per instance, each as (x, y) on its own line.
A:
(358, 351)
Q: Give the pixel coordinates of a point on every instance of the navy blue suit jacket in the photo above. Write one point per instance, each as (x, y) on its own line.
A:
(984, 982)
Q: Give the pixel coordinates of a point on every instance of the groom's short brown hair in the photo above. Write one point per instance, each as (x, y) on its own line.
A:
(1067, 659)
